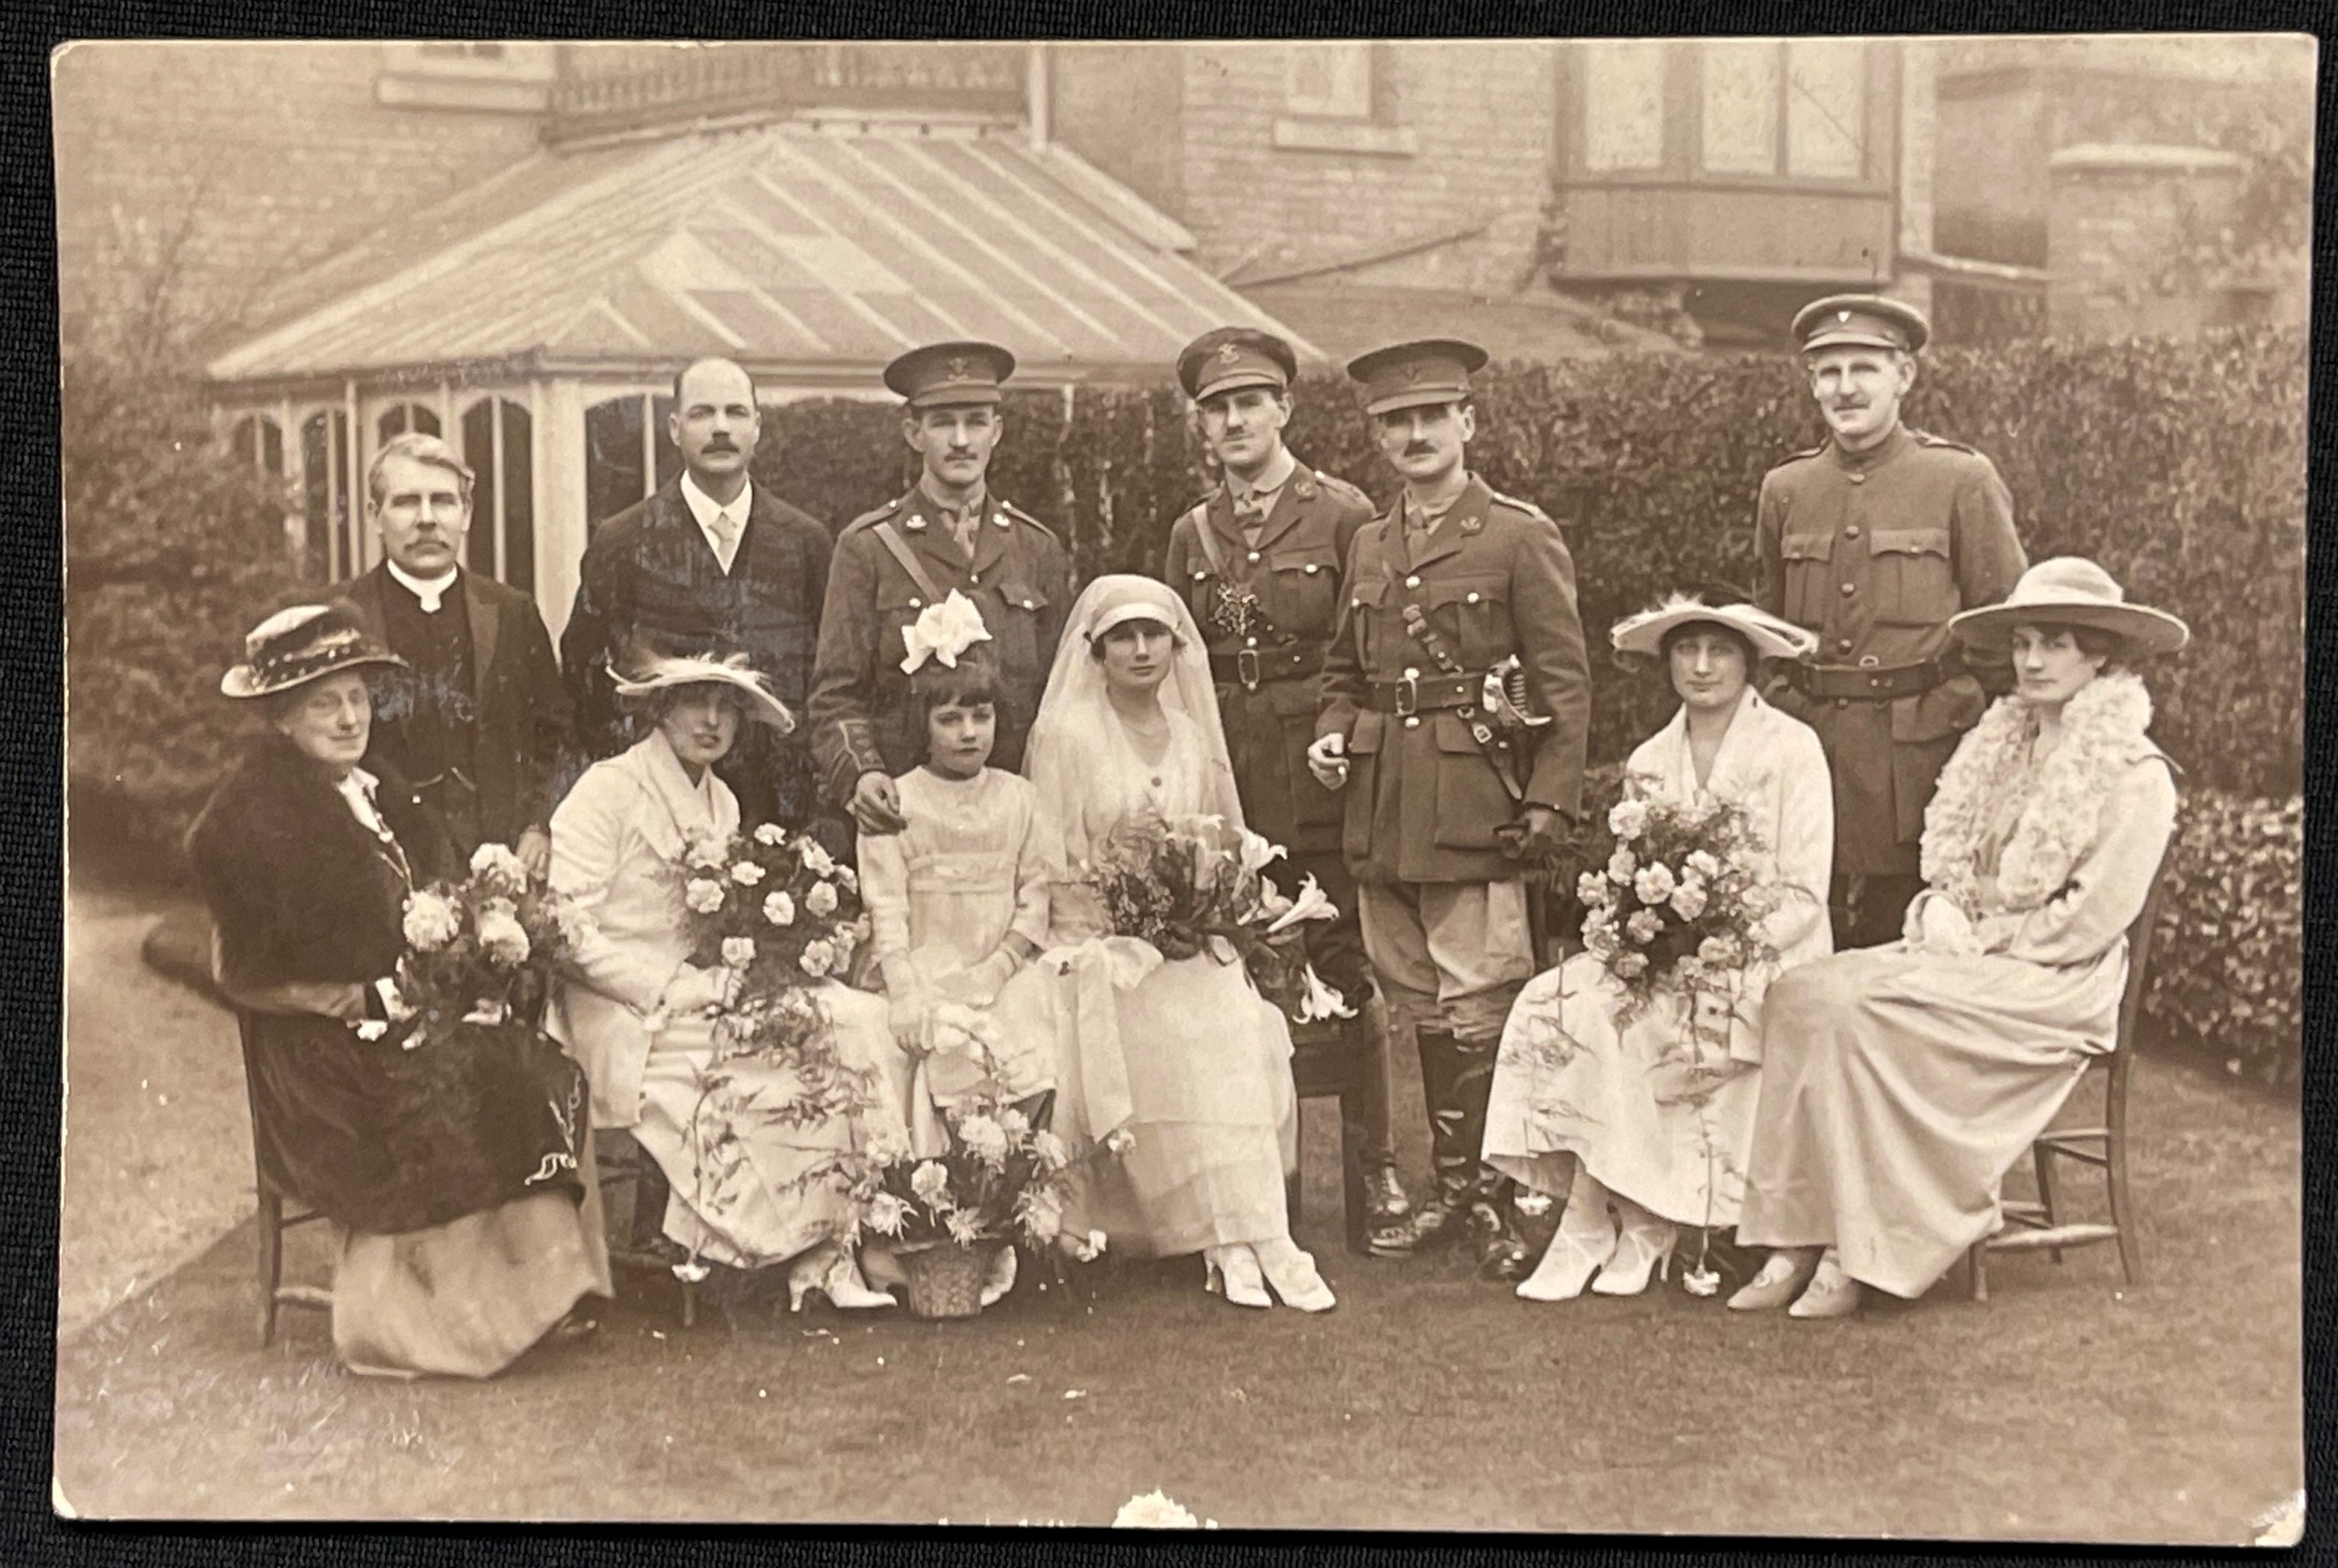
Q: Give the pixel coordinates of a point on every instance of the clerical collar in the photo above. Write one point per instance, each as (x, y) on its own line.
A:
(430, 591)
(706, 509)
(1270, 481)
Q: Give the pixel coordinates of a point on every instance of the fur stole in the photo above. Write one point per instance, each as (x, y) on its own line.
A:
(2102, 736)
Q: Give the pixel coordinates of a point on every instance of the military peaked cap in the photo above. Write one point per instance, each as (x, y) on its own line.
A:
(1229, 358)
(1413, 375)
(950, 375)
(1860, 321)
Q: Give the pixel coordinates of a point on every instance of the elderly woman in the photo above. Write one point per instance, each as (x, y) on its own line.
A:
(640, 1016)
(454, 1172)
(1657, 1110)
(1904, 1082)
(1190, 1060)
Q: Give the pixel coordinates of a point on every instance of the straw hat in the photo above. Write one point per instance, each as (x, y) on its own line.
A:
(1770, 637)
(665, 673)
(2071, 591)
(307, 642)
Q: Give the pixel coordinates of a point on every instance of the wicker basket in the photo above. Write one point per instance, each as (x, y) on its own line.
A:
(946, 1279)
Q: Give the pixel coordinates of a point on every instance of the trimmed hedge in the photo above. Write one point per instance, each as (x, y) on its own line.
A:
(2226, 957)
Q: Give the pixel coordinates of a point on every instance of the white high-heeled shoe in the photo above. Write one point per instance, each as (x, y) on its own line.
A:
(1292, 1273)
(830, 1270)
(1000, 1279)
(1644, 1248)
(1581, 1247)
(1832, 1292)
(1233, 1271)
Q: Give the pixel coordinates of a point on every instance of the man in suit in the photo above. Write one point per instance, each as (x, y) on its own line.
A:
(479, 723)
(948, 534)
(1445, 808)
(1872, 540)
(709, 563)
(1262, 560)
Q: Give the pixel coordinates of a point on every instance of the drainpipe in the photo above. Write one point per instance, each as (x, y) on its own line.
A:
(1039, 96)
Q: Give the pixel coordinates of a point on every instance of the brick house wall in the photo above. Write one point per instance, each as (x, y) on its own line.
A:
(265, 157)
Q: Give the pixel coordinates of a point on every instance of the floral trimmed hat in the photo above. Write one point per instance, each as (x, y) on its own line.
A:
(304, 644)
(1770, 637)
(665, 673)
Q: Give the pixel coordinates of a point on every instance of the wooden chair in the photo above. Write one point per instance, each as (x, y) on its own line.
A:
(1328, 1059)
(272, 1221)
(2039, 1225)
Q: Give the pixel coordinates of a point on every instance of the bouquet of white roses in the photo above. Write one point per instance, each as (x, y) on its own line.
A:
(480, 950)
(1680, 904)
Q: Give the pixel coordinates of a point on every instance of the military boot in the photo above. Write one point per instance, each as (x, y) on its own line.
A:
(1493, 1227)
(1443, 1216)
(1387, 1231)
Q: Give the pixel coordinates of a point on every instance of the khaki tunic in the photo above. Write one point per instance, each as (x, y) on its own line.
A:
(1294, 573)
(1423, 805)
(1874, 552)
(1019, 577)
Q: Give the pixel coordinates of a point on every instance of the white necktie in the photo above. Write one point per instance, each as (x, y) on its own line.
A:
(726, 539)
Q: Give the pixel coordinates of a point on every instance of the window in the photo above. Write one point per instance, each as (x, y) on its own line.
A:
(1827, 107)
(326, 493)
(496, 444)
(401, 419)
(1742, 89)
(259, 441)
(1797, 108)
(1330, 80)
(1623, 105)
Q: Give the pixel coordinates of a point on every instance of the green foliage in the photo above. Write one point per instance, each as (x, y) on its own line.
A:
(2227, 958)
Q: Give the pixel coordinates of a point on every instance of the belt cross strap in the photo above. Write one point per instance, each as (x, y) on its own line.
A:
(899, 549)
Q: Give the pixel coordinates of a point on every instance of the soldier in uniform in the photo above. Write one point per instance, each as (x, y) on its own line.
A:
(1872, 540)
(947, 533)
(1445, 805)
(1261, 562)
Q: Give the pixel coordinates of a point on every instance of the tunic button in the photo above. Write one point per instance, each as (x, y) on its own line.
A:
(1842, 645)
(1313, 567)
(1413, 722)
(1473, 598)
(917, 604)
(1859, 479)
(1249, 642)
(974, 577)
(1411, 674)
(1849, 589)
(1412, 582)
(1254, 554)
(1852, 532)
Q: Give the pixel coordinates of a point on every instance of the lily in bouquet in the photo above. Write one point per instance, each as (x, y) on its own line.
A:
(481, 950)
(1195, 885)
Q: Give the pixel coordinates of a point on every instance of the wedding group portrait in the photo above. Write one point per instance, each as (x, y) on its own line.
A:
(1013, 783)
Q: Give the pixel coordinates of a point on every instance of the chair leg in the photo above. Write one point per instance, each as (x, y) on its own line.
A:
(1291, 1183)
(270, 1225)
(1977, 1259)
(1353, 1138)
(2122, 1211)
(2042, 1157)
(689, 1305)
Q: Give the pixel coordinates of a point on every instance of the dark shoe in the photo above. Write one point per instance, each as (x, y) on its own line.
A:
(1501, 1251)
(1384, 1195)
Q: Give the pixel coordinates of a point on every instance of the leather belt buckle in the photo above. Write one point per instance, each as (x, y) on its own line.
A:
(1245, 667)
(1407, 696)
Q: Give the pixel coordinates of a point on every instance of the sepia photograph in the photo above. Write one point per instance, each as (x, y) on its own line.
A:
(1476, 784)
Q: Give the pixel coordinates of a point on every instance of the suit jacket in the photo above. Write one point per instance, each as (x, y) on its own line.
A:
(1495, 579)
(1018, 577)
(1268, 613)
(522, 729)
(649, 574)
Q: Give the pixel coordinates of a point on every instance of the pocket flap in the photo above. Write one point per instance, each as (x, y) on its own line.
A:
(1465, 590)
(1909, 542)
(1023, 596)
(1808, 547)
(1453, 735)
(1314, 563)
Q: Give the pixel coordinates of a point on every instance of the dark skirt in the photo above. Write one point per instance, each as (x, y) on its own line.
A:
(389, 1140)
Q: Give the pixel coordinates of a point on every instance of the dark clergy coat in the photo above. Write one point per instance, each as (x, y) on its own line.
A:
(1268, 618)
(649, 573)
(1874, 551)
(517, 707)
(1020, 579)
(1423, 804)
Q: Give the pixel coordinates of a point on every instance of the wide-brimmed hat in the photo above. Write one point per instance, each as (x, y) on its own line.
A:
(2071, 591)
(1770, 637)
(647, 676)
(307, 642)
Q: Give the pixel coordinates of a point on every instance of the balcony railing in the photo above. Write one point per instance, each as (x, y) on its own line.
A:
(724, 80)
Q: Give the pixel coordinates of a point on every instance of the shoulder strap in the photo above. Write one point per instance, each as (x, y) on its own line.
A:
(899, 549)
(1200, 515)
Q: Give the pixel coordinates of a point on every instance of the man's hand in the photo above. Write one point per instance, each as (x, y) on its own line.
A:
(1327, 759)
(1547, 832)
(535, 852)
(877, 804)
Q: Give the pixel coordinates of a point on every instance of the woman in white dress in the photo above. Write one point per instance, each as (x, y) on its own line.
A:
(1657, 1120)
(1905, 1081)
(1189, 1059)
(640, 1015)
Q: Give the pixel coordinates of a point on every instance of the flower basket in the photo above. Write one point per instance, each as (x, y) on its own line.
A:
(945, 1280)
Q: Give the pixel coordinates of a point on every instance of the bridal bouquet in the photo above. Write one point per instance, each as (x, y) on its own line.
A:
(478, 951)
(1197, 884)
(773, 907)
(1679, 905)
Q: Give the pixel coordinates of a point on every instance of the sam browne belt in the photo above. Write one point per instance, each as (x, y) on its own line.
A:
(1866, 682)
(1252, 667)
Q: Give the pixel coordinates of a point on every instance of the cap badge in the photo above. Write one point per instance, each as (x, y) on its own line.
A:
(959, 367)
(1413, 372)
(1231, 352)
(1843, 315)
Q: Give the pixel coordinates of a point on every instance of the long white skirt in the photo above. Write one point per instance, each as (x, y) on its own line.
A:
(1653, 1113)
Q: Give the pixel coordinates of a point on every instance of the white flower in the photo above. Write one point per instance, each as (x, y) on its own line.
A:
(931, 1183)
(887, 1215)
(1627, 819)
(1119, 1141)
(705, 852)
(431, 921)
(1629, 966)
(1014, 1122)
(1041, 1213)
(1688, 900)
(1313, 903)
(746, 873)
(985, 1139)
(817, 959)
(1257, 850)
(1654, 883)
(1721, 952)
(1703, 863)
(1592, 888)
(1271, 902)
(1154, 1511)
(1050, 1150)
(821, 899)
(704, 895)
(1321, 1000)
(846, 879)
(737, 952)
(779, 909)
(943, 631)
(819, 861)
(577, 925)
(1620, 865)
(1643, 926)
(370, 1030)
(965, 1227)
(690, 1270)
(502, 936)
(1091, 1249)
(770, 834)
(499, 867)
(885, 1146)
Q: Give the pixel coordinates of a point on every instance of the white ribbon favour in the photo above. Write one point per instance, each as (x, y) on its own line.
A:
(943, 631)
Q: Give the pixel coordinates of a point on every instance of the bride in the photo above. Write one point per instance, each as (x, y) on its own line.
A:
(1183, 1055)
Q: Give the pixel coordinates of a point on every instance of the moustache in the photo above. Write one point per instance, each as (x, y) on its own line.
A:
(720, 446)
(1420, 449)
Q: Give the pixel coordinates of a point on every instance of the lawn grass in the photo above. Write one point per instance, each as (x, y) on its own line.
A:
(2066, 1407)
